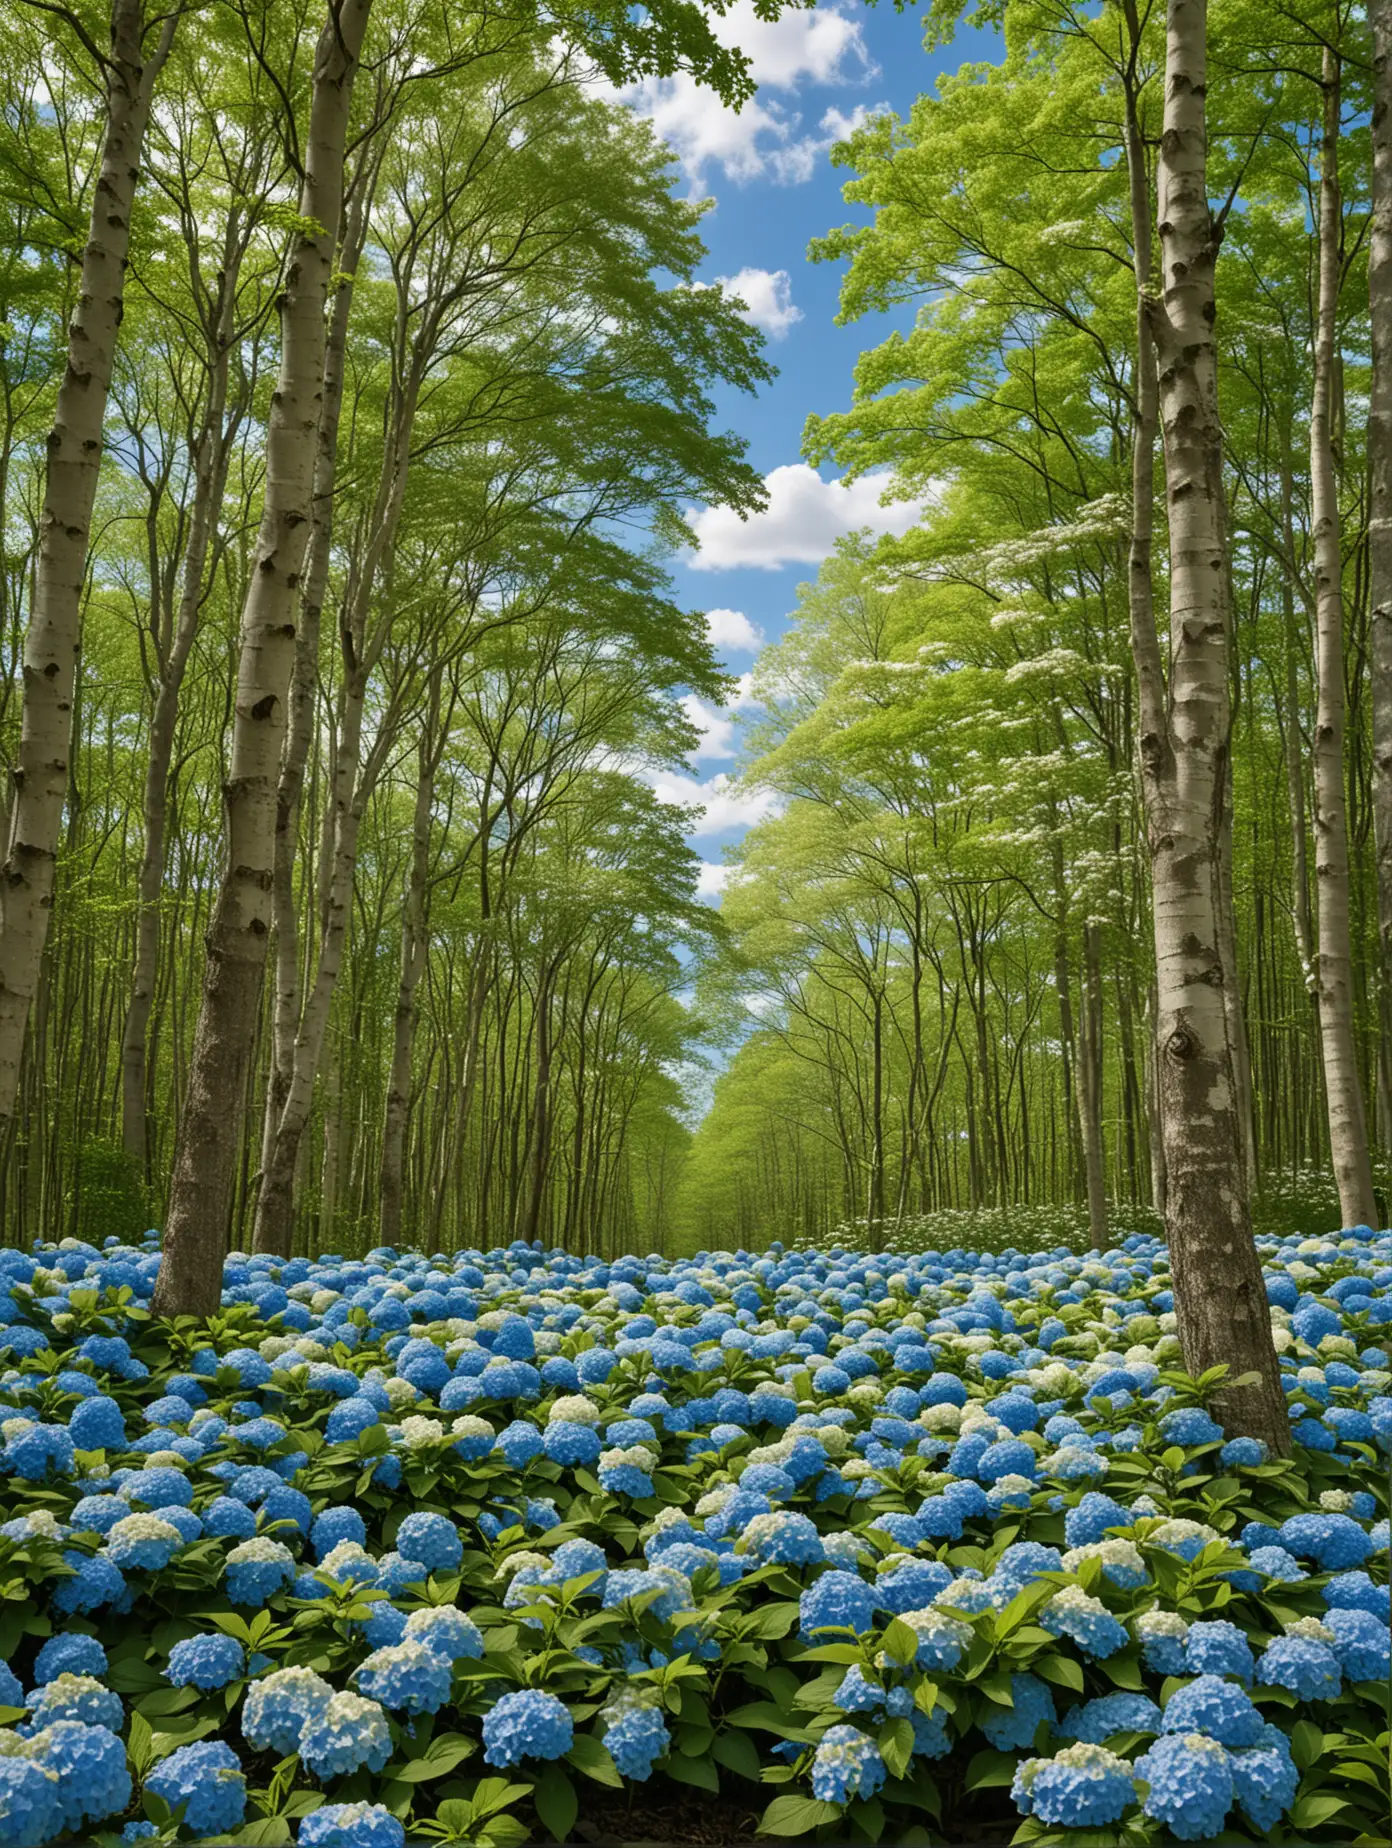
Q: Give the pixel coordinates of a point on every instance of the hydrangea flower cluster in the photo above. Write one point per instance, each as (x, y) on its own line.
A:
(482, 1499)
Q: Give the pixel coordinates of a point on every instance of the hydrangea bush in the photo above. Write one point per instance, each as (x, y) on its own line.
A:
(863, 1543)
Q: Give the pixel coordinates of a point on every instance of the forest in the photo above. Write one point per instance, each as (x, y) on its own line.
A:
(339, 902)
(498, 1349)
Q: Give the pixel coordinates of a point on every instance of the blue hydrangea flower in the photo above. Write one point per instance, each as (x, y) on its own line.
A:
(1012, 1728)
(847, 1764)
(1083, 1787)
(445, 1629)
(1073, 1613)
(207, 1780)
(528, 1724)
(1334, 1541)
(1095, 1513)
(1265, 1779)
(351, 1825)
(257, 1569)
(783, 1538)
(1191, 1785)
(1218, 1648)
(90, 1765)
(407, 1677)
(143, 1541)
(1096, 1721)
(636, 1736)
(75, 1697)
(431, 1541)
(206, 1662)
(69, 1653)
(30, 1810)
(1361, 1643)
(1307, 1668)
(348, 1734)
(836, 1601)
(94, 1583)
(334, 1525)
(279, 1707)
(1214, 1707)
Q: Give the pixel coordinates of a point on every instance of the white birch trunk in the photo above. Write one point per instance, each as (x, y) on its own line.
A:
(1343, 1088)
(52, 642)
(1220, 1298)
(190, 1275)
(1380, 513)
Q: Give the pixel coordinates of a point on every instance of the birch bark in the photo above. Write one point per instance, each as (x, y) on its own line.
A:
(1380, 514)
(190, 1276)
(53, 638)
(1220, 1297)
(1343, 1088)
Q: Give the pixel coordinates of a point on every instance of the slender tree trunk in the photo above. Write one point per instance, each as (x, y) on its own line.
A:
(190, 1275)
(304, 685)
(1220, 1298)
(414, 948)
(1380, 514)
(1089, 1087)
(212, 456)
(70, 487)
(1348, 1133)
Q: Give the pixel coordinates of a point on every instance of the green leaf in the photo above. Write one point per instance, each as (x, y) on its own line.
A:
(988, 1769)
(694, 1771)
(1309, 1812)
(267, 1832)
(896, 1742)
(556, 1802)
(592, 1757)
(1061, 1670)
(736, 1751)
(1307, 1742)
(796, 1816)
(442, 1756)
(900, 1642)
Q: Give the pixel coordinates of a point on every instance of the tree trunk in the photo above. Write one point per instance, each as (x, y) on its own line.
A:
(212, 456)
(190, 1275)
(304, 685)
(1220, 1299)
(1348, 1133)
(1380, 514)
(1089, 1086)
(414, 948)
(70, 486)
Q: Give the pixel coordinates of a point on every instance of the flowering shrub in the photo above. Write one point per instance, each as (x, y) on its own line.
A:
(427, 1547)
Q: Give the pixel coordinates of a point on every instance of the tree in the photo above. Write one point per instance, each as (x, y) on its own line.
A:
(127, 73)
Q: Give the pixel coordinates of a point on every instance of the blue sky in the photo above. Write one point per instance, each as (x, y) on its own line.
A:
(770, 175)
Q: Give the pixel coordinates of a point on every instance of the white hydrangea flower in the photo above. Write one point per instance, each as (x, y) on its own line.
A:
(1312, 1630)
(574, 1408)
(400, 1392)
(419, 1432)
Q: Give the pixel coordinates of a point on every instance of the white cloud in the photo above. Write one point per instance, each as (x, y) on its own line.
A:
(768, 299)
(725, 807)
(733, 632)
(804, 516)
(717, 724)
(822, 46)
(712, 880)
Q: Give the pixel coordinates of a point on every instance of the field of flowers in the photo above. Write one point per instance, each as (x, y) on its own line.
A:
(515, 1546)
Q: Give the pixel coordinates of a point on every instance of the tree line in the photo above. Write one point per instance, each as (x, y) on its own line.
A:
(353, 388)
(1081, 884)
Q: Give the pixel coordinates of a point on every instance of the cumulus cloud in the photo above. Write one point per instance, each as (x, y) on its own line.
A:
(718, 725)
(768, 299)
(804, 516)
(724, 807)
(712, 880)
(822, 46)
(732, 632)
